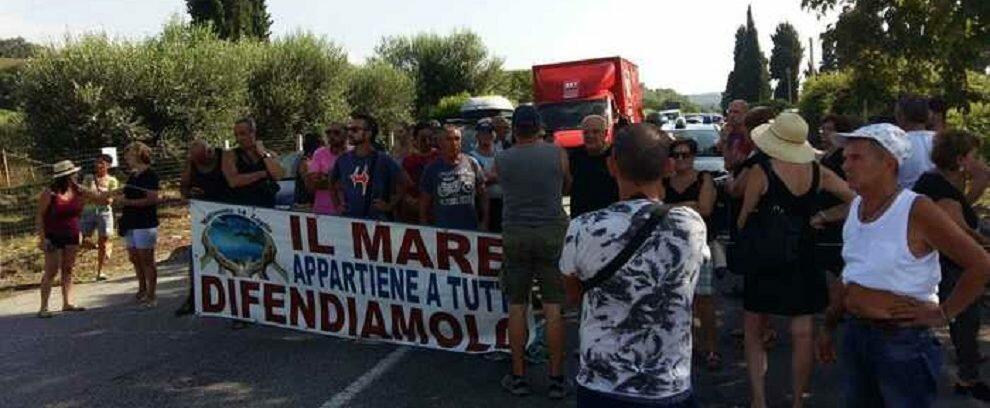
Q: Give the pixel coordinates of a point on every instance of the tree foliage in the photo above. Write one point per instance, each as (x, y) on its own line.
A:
(449, 106)
(442, 65)
(298, 86)
(939, 39)
(382, 91)
(749, 79)
(17, 47)
(517, 85)
(785, 61)
(661, 99)
(232, 19)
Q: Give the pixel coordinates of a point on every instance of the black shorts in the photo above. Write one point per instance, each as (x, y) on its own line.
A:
(60, 240)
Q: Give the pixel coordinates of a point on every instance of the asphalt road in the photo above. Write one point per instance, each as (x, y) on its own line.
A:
(118, 355)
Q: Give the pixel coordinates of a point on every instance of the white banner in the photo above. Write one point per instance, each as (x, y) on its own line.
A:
(351, 278)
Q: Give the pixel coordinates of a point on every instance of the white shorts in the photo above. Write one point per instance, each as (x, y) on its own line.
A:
(141, 238)
(99, 222)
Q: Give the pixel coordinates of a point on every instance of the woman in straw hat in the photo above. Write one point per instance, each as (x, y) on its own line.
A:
(59, 209)
(778, 211)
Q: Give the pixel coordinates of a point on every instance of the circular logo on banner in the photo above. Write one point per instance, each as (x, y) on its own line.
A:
(240, 245)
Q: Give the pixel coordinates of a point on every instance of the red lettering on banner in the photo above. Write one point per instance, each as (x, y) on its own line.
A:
(352, 317)
(408, 330)
(380, 247)
(326, 301)
(502, 334)
(486, 256)
(458, 252)
(271, 303)
(374, 322)
(304, 306)
(314, 238)
(207, 285)
(248, 297)
(472, 330)
(455, 328)
(295, 233)
(413, 247)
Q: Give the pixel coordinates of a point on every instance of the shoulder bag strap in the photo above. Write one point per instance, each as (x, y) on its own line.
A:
(657, 214)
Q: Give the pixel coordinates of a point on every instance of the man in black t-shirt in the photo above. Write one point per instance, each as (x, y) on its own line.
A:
(594, 188)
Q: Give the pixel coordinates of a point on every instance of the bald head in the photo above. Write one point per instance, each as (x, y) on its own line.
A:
(594, 128)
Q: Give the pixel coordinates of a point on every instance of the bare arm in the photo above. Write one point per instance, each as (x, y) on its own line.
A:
(565, 166)
(950, 240)
(706, 197)
(737, 185)
(756, 184)
(834, 184)
(150, 199)
(954, 210)
(572, 289)
(234, 178)
(185, 181)
(44, 200)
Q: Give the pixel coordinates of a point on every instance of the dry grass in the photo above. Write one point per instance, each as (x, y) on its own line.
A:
(11, 62)
(22, 262)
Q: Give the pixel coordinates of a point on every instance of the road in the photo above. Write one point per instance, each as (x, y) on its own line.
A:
(118, 355)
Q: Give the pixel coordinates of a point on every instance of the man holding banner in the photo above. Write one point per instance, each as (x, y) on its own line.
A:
(453, 188)
(367, 182)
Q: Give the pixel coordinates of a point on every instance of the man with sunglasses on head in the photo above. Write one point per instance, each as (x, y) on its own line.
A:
(366, 181)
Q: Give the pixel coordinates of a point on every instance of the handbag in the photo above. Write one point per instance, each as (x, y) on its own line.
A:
(657, 214)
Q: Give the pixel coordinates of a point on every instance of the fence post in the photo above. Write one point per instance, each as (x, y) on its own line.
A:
(6, 170)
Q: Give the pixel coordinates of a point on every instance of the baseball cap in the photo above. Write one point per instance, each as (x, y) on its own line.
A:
(890, 137)
(526, 116)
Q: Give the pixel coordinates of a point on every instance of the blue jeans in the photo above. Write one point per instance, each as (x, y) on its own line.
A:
(889, 367)
(595, 399)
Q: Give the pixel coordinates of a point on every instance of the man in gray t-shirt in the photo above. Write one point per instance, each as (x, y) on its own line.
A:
(533, 175)
(453, 188)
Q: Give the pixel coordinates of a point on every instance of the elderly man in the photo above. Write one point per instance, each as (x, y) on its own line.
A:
(734, 142)
(594, 188)
(892, 241)
(452, 189)
(634, 266)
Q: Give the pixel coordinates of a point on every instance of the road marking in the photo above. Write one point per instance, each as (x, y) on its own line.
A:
(355, 388)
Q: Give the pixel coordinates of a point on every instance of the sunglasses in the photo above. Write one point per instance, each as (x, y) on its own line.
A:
(682, 155)
(354, 129)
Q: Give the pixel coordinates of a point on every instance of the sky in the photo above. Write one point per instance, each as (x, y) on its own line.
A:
(681, 44)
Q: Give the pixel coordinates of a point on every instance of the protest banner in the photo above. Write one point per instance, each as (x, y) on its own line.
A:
(344, 277)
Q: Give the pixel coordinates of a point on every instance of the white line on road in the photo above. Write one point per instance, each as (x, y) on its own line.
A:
(345, 396)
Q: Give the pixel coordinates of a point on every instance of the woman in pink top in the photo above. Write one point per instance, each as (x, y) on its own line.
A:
(59, 208)
(317, 173)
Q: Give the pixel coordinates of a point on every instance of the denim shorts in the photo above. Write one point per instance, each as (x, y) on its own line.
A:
(892, 367)
(141, 238)
(100, 222)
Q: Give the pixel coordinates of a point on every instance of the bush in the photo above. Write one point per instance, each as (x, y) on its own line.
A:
(823, 94)
(297, 86)
(449, 107)
(13, 134)
(382, 91)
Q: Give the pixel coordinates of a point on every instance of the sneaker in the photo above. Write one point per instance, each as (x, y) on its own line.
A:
(516, 385)
(496, 356)
(978, 390)
(557, 387)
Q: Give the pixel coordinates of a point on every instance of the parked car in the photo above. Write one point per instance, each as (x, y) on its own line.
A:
(287, 185)
(709, 158)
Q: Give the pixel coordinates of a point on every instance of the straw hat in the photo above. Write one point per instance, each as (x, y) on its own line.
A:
(64, 168)
(785, 138)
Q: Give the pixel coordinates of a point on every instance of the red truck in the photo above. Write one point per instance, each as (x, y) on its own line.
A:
(566, 92)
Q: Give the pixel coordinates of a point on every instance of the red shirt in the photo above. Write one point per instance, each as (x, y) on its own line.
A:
(414, 164)
(63, 213)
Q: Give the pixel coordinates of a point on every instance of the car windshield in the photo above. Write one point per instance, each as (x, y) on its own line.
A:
(706, 138)
(568, 115)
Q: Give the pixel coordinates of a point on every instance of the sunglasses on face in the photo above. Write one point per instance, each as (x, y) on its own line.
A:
(682, 155)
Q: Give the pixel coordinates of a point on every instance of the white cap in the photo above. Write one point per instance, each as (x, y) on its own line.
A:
(890, 137)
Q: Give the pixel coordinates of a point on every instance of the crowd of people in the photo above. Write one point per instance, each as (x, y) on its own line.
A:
(872, 227)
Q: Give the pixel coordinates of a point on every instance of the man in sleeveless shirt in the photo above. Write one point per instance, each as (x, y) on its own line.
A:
(202, 179)
(534, 175)
(889, 290)
(251, 170)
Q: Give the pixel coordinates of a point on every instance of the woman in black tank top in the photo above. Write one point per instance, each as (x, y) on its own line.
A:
(691, 188)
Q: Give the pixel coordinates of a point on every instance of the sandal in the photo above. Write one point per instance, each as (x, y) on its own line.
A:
(73, 308)
(713, 361)
(44, 314)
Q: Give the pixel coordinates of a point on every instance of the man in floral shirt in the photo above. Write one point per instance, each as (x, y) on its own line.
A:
(636, 326)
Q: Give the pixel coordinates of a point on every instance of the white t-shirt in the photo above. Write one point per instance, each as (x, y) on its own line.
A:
(636, 327)
(920, 160)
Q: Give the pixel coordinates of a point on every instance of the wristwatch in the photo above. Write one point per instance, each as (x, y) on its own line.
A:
(267, 155)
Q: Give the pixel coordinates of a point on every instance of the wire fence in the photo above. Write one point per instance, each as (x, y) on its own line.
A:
(24, 177)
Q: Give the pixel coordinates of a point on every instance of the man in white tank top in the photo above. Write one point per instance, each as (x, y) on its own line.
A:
(892, 240)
